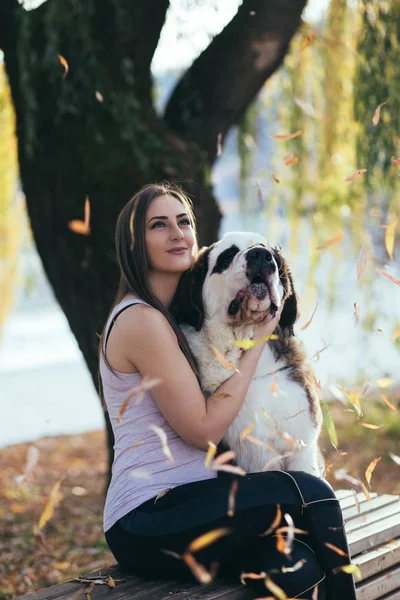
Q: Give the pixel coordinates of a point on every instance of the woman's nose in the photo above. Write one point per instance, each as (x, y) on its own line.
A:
(177, 233)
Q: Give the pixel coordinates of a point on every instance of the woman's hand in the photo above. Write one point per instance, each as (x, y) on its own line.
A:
(268, 326)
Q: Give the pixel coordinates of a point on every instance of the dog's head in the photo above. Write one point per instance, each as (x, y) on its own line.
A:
(240, 280)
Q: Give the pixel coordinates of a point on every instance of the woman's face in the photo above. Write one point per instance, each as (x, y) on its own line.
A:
(169, 235)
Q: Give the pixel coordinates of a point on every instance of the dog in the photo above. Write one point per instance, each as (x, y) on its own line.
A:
(233, 285)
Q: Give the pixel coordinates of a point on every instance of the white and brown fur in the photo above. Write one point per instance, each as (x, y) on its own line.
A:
(224, 295)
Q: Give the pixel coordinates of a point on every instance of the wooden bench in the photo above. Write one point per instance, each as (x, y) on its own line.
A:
(373, 529)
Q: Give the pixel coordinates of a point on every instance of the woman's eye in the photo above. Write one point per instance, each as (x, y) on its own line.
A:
(184, 222)
(157, 224)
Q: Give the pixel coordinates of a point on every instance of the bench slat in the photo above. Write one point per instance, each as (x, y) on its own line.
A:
(349, 501)
(366, 507)
(379, 585)
(372, 517)
(373, 535)
(379, 559)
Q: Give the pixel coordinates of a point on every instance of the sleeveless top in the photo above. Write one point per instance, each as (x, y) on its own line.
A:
(140, 469)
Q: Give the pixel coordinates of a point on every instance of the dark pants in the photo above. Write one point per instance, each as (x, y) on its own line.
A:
(139, 538)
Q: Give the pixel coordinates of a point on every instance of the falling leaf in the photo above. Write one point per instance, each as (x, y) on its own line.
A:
(54, 498)
(308, 322)
(246, 344)
(356, 313)
(232, 497)
(295, 567)
(275, 522)
(164, 444)
(291, 161)
(31, 462)
(395, 458)
(389, 237)
(361, 262)
(219, 144)
(356, 174)
(389, 404)
(307, 41)
(110, 582)
(88, 590)
(245, 432)
(357, 503)
(275, 589)
(384, 382)
(161, 494)
(274, 388)
(370, 426)
(206, 539)
(329, 424)
(315, 593)
(275, 178)
(198, 570)
(351, 569)
(229, 469)
(308, 109)
(377, 113)
(255, 441)
(392, 279)
(223, 360)
(211, 451)
(395, 161)
(395, 334)
(244, 576)
(259, 196)
(64, 64)
(82, 227)
(99, 96)
(290, 534)
(139, 390)
(267, 415)
(224, 457)
(331, 241)
(336, 549)
(288, 136)
(370, 469)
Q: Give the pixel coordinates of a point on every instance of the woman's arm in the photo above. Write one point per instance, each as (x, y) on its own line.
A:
(149, 343)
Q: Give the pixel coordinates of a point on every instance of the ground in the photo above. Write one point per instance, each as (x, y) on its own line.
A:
(72, 541)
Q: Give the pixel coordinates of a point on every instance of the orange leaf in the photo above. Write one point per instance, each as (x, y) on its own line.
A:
(370, 426)
(331, 241)
(395, 334)
(377, 113)
(245, 432)
(54, 498)
(198, 570)
(208, 538)
(82, 227)
(388, 276)
(275, 522)
(64, 64)
(139, 390)
(336, 549)
(287, 136)
(232, 497)
(275, 589)
(370, 469)
(307, 41)
(356, 174)
(395, 161)
(291, 161)
(223, 360)
(361, 262)
(308, 322)
(390, 405)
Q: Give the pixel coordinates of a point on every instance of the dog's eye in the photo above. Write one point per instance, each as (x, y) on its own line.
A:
(225, 259)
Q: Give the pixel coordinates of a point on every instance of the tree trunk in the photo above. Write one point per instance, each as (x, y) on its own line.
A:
(93, 131)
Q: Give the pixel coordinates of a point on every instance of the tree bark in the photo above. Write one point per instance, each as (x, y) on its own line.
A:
(93, 131)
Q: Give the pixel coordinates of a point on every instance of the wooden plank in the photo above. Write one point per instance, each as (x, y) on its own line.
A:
(380, 585)
(374, 516)
(350, 501)
(391, 596)
(373, 535)
(352, 511)
(342, 494)
(379, 559)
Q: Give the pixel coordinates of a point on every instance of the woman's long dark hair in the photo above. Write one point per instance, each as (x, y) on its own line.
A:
(133, 261)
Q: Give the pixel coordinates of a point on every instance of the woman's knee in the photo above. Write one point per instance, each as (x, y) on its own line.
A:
(313, 488)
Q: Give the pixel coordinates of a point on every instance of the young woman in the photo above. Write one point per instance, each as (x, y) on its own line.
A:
(162, 496)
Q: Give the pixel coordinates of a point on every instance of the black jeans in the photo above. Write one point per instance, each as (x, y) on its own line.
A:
(138, 539)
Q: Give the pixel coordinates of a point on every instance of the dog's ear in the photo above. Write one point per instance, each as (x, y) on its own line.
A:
(289, 313)
(187, 305)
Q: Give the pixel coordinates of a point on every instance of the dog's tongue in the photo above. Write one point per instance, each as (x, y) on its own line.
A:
(259, 290)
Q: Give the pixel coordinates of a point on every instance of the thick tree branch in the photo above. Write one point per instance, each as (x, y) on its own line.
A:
(216, 90)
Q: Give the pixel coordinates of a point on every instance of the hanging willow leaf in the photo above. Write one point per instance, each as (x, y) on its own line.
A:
(370, 469)
(389, 237)
(329, 424)
(361, 262)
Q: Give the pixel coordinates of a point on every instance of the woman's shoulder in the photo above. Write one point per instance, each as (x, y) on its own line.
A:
(141, 317)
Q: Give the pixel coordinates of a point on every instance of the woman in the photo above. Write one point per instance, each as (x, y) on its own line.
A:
(162, 495)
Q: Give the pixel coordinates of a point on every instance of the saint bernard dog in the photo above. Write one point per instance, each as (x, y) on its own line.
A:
(234, 284)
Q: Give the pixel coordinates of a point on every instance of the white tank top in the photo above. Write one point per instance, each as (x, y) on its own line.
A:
(140, 469)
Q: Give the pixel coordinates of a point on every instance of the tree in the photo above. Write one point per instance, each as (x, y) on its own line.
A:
(80, 77)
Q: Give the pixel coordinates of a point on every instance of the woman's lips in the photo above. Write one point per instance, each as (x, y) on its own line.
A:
(177, 251)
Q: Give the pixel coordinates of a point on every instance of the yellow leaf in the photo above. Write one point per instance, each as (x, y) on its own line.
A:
(224, 457)
(287, 136)
(223, 360)
(275, 589)
(361, 262)
(211, 451)
(356, 174)
(331, 241)
(64, 64)
(54, 498)
(291, 161)
(370, 426)
(389, 237)
(110, 582)
(245, 432)
(308, 322)
(307, 41)
(389, 276)
(232, 497)
(370, 469)
(351, 569)
(384, 382)
(377, 113)
(246, 344)
(275, 522)
(395, 334)
(389, 404)
(208, 538)
(329, 424)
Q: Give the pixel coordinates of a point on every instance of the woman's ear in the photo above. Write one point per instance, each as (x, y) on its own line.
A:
(187, 306)
(289, 313)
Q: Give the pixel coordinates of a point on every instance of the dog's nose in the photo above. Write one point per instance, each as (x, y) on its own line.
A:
(259, 255)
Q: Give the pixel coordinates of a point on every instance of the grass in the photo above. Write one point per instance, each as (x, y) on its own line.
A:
(72, 542)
